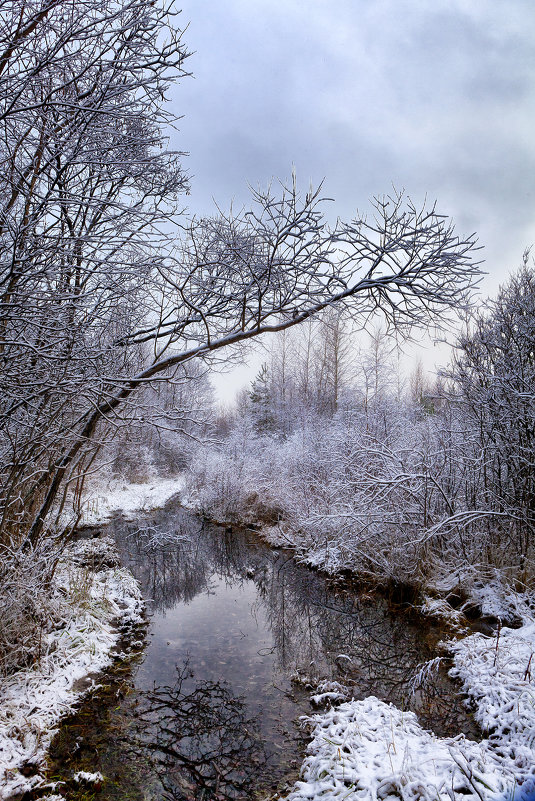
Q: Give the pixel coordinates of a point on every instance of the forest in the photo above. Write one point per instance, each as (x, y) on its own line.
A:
(116, 304)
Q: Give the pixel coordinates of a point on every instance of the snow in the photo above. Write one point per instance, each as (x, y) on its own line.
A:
(33, 701)
(329, 692)
(484, 592)
(440, 609)
(497, 674)
(102, 501)
(90, 778)
(371, 750)
(98, 599)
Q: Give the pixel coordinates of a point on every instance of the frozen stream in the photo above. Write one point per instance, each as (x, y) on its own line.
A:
(238, 634)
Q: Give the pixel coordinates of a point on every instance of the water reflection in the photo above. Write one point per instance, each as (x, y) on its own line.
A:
(256, 629)
(203, 743)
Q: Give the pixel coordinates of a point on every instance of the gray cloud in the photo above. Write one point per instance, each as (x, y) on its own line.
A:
(436, 98)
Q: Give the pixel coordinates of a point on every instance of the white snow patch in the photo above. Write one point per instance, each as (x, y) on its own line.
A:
(90, 778)
(101, 502)
(440, 609)
(370, 750)
(32, 701)
(329, 692)
(497, 600)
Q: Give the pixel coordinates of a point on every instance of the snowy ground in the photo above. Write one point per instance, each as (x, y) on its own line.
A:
(365, 750)
(101, 501)
(370, 750)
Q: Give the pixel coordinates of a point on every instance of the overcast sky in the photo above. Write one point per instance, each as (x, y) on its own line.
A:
(433, 96)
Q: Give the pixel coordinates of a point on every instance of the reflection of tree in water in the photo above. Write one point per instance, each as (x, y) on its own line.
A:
(201, 742)
(311, 620)
(175, 554)
(166, 555)
(323, 631)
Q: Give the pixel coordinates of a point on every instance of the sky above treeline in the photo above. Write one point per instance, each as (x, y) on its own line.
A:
(433, 97)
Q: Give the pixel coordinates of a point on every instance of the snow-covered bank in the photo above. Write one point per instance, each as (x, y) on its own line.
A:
(498, 676)
(99, 601)
(372, 750)
(95, 601)
(101, 501)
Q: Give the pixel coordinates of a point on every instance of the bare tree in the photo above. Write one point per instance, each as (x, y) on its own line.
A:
(84, 187)
(90, 276)
(332, 358)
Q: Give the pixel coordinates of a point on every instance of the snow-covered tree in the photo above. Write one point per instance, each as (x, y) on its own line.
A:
(262, 402)
(91, 272)
(84, 186)
(494, 370)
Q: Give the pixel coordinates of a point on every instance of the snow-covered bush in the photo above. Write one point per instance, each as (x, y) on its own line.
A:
(388, 495)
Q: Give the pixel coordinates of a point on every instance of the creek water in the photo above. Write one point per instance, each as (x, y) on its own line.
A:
(239, 637)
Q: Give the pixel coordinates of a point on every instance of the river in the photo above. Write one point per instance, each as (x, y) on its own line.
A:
(239, 637)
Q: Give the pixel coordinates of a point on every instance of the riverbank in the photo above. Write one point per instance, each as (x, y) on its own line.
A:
(103, 500)
(371, 750)
(363, 749)
(100, 605)
(99, 618)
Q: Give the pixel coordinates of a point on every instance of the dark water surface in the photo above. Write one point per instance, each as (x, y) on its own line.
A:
(239, 635)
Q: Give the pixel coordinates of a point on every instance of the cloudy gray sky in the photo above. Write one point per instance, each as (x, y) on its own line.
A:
(433, 96)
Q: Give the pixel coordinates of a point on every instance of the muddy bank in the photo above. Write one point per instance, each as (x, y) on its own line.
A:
(101, 611)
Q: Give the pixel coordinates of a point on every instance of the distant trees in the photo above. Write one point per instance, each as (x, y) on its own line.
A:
(308, 371)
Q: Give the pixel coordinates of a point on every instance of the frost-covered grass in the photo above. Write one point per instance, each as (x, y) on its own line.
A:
(96, 599)
(371, 750)
(498, 676)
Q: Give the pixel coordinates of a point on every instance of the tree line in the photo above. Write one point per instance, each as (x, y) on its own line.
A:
(398, 478)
